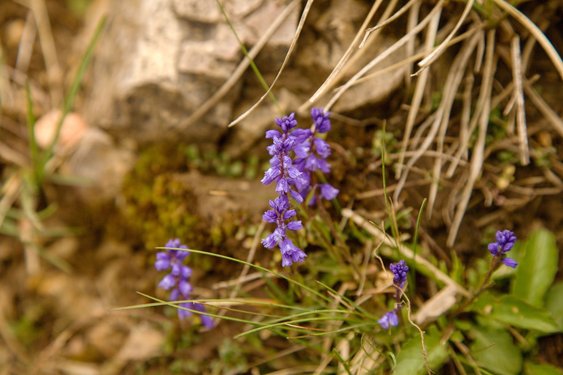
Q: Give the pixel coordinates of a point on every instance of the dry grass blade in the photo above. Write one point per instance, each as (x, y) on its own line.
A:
(411, 59)
(385, 54)
(442, 47)
(405, 251)
(412, 20)
(54, 71)
(436, 306)
(478, 150)
(418, 92)
(536, 32)
(241, 68)
(373, 40)
(544, 108)
(344, 59)
(519, 96)
(443, 112)
(398, 14)
(285, 61)
(246, 267)
(25, 48)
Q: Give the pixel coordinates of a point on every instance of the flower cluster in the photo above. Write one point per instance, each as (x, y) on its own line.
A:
(296, 154)
(505, 240)
(391, 318)
(177, 281)
(311, 154)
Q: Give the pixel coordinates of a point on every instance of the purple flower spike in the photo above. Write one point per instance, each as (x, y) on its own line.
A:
(400, 270)
(288, 178)
(177, 280)
(505, 240)
(390, 319)
(312, 152)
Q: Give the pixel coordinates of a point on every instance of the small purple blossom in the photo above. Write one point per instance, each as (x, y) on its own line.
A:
(177, 281)
(399, 270)
(505, 240)
(321, 120)
(390, 319)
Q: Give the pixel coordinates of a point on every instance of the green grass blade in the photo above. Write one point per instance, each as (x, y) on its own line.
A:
(71, 96)
(260, 268)
(244, 50)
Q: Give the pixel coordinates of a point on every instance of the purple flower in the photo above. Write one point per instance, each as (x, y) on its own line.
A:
(311, 153)
(288, 178)
(390, 319)
(177, 281)
(400, 270)
(321, 120)
(505, 240)
(280, 214)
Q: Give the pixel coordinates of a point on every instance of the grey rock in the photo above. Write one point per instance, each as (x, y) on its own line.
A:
(160, 60)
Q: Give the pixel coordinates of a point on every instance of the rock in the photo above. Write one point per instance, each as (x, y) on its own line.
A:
(72, 131)
(157, 65)
(378, 88)
(100, 164)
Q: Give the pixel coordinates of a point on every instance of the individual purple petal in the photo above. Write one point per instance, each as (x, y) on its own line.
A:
(322, 148)
(270, 176)
(185, 289)
(167, 282)
(321, 120)
(289, 214)
(269, 241)
(510, 262)
(162, 262)
(282, 186)
(295, 195)
(323, 165)
(206, 320)
(183, 314)
(173, 243)
(291, 253)
(176, 269)
(270, 216)
(328, 191)
(390, 319)
(185, 272)
(272, 134)
(294, 225)
(493, 248)
(174, 295)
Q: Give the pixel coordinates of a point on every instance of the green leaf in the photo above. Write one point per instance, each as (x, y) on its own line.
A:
(515, 312)
(494, 350)
(554, 303)
(537, 268)
(410, 360)
(541, 369)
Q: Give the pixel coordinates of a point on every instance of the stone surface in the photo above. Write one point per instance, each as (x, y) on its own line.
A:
(158, 64)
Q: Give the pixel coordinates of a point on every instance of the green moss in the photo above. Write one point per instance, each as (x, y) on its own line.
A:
(159, 205)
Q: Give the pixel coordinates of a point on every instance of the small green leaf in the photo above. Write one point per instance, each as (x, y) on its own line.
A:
(554, 303)
(541, 369)
(517, 313)
(410, 360)
(494, 350)
(537, 268)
